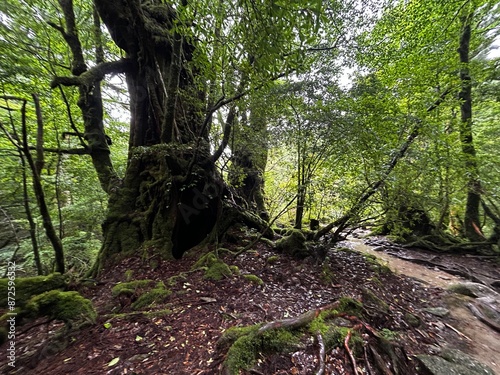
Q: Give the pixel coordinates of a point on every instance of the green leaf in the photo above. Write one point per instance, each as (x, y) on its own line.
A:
(114, 361)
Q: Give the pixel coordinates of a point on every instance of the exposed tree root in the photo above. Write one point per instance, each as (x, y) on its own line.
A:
(244, 345)
(482, 317)
(349, 351)
(321, 354)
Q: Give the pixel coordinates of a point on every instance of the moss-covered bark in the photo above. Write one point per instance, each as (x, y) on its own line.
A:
(26, 287)
(157, 207)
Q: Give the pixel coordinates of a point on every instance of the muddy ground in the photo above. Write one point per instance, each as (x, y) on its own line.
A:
(179, 335)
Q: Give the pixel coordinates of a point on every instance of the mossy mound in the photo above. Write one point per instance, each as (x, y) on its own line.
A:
(156, 295)
(27, 287)
(217, 271)
(70, 307)
(246, 343)
(215, 268)
(293, 244)
(142, 292)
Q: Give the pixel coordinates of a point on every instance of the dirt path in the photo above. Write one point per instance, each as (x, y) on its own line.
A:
(484, 342)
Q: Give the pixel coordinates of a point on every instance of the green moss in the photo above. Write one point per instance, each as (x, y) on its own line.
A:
(294, 244)
(350, 306)
(130, 288)
(412, 320)
(235, 270)
(272, 259)
(243, 354)
(336, 336)
(128, 275)
(254, 279)
(154, 314)
(217, 271)
(234, 333)
(376, 265)
(156, 295)
(26, 287)
(175, 279)
(388, 334)
(65, 306)
(205, 261)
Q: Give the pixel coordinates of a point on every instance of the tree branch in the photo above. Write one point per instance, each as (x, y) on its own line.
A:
(342, 222)
(70, 151)
(94, 74)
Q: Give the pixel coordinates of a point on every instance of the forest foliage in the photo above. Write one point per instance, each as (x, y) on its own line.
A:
(353, 108)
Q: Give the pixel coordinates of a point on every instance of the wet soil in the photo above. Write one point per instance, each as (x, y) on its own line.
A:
(179, 335)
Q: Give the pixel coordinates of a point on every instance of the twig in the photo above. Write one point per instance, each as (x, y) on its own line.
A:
(351, 356)
(457, 332)
(321, 367)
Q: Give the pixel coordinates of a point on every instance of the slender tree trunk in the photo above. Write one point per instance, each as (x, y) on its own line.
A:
(471, 220)
(40, 196)
(29, 217)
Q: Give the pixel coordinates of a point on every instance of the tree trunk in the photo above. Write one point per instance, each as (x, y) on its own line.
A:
(471, 220)
(40, 195)
(249, 160)
(170, 197)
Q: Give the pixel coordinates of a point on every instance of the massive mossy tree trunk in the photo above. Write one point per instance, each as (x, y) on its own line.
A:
(170, 195)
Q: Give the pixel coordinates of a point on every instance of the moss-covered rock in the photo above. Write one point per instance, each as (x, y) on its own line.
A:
(294, 244)
(249, 343)
(69, 307)
(272, 259)
(26, 287)
(217, 271)
(215, 268)
(376, 265)
(156, 295)
(141, 292)
(412, 320)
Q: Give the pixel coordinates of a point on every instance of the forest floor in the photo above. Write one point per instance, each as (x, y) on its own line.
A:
(179, 335)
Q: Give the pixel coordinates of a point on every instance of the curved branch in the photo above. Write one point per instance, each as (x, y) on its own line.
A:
(93, 75)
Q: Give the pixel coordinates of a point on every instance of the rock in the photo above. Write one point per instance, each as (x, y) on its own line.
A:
(412, 320)
(294, 244)
(453, 362)
(474, 290)
(437, 311)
